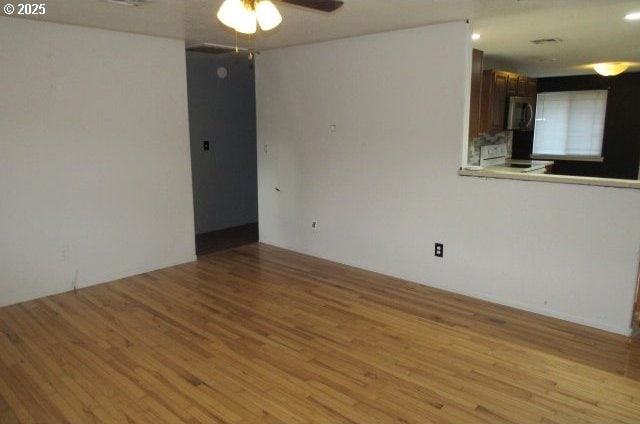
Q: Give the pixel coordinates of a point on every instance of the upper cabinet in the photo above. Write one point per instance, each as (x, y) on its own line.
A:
(512, 83)
(519, 85)
(476, 88)
(490, 91)
(531, 89)
(493, 98)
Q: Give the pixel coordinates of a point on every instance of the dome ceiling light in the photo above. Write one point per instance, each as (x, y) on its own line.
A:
(610, 69)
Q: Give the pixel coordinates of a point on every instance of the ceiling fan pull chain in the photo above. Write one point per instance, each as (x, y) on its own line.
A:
(252, 47)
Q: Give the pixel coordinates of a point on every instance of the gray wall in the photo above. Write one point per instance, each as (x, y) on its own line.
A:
(222, 111)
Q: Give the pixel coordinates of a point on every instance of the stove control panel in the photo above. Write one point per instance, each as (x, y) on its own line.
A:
(494, 154)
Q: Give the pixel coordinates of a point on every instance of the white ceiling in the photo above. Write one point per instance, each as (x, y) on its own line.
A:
(592, 30)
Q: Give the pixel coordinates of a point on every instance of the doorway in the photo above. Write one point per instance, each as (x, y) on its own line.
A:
(222, 127)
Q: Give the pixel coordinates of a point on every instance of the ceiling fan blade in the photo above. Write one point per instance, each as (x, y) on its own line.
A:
(212, 48)
(322, 5)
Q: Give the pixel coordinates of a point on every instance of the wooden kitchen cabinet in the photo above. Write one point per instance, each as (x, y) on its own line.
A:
(476, 88)
(531, 89)
(520, 85)
(512, 84)
(497, 87)
(493, 101)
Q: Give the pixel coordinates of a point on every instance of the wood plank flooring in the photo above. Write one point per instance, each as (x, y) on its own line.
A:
(227, 238)
(258, 334)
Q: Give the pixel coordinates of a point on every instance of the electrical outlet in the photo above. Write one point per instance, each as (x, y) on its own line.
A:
(314, 225)
(439, 250)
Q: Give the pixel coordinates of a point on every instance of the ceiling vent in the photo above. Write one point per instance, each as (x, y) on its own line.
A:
(129, 3)
(547, 40)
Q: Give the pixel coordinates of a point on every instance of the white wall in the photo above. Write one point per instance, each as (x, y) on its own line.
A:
(94, 157)
(384, 186)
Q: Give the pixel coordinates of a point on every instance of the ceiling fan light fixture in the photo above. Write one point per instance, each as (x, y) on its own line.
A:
(246, 20)
(610, 69)
(268, 15)
(244, 15)
(229, 12)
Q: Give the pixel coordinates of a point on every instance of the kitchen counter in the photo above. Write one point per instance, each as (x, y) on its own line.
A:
(521, 166)
(509, 173)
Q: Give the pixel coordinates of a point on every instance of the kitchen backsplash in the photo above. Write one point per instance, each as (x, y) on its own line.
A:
(505, 137)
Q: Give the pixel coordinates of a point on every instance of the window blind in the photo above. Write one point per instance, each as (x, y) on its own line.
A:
(570, 123)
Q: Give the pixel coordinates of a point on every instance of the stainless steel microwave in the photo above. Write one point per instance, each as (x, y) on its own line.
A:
(520, 113)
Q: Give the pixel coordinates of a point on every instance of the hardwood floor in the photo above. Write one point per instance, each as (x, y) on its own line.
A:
(259, 335)
(224, 239)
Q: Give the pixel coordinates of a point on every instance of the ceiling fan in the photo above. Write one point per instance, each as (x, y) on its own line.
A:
(242, 16)
(323, 5)
(245, 15)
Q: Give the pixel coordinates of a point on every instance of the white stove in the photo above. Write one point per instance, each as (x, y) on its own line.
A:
(492, 155)
(495, 158)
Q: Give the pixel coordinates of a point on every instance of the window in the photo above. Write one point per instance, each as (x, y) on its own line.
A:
(570, 124)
